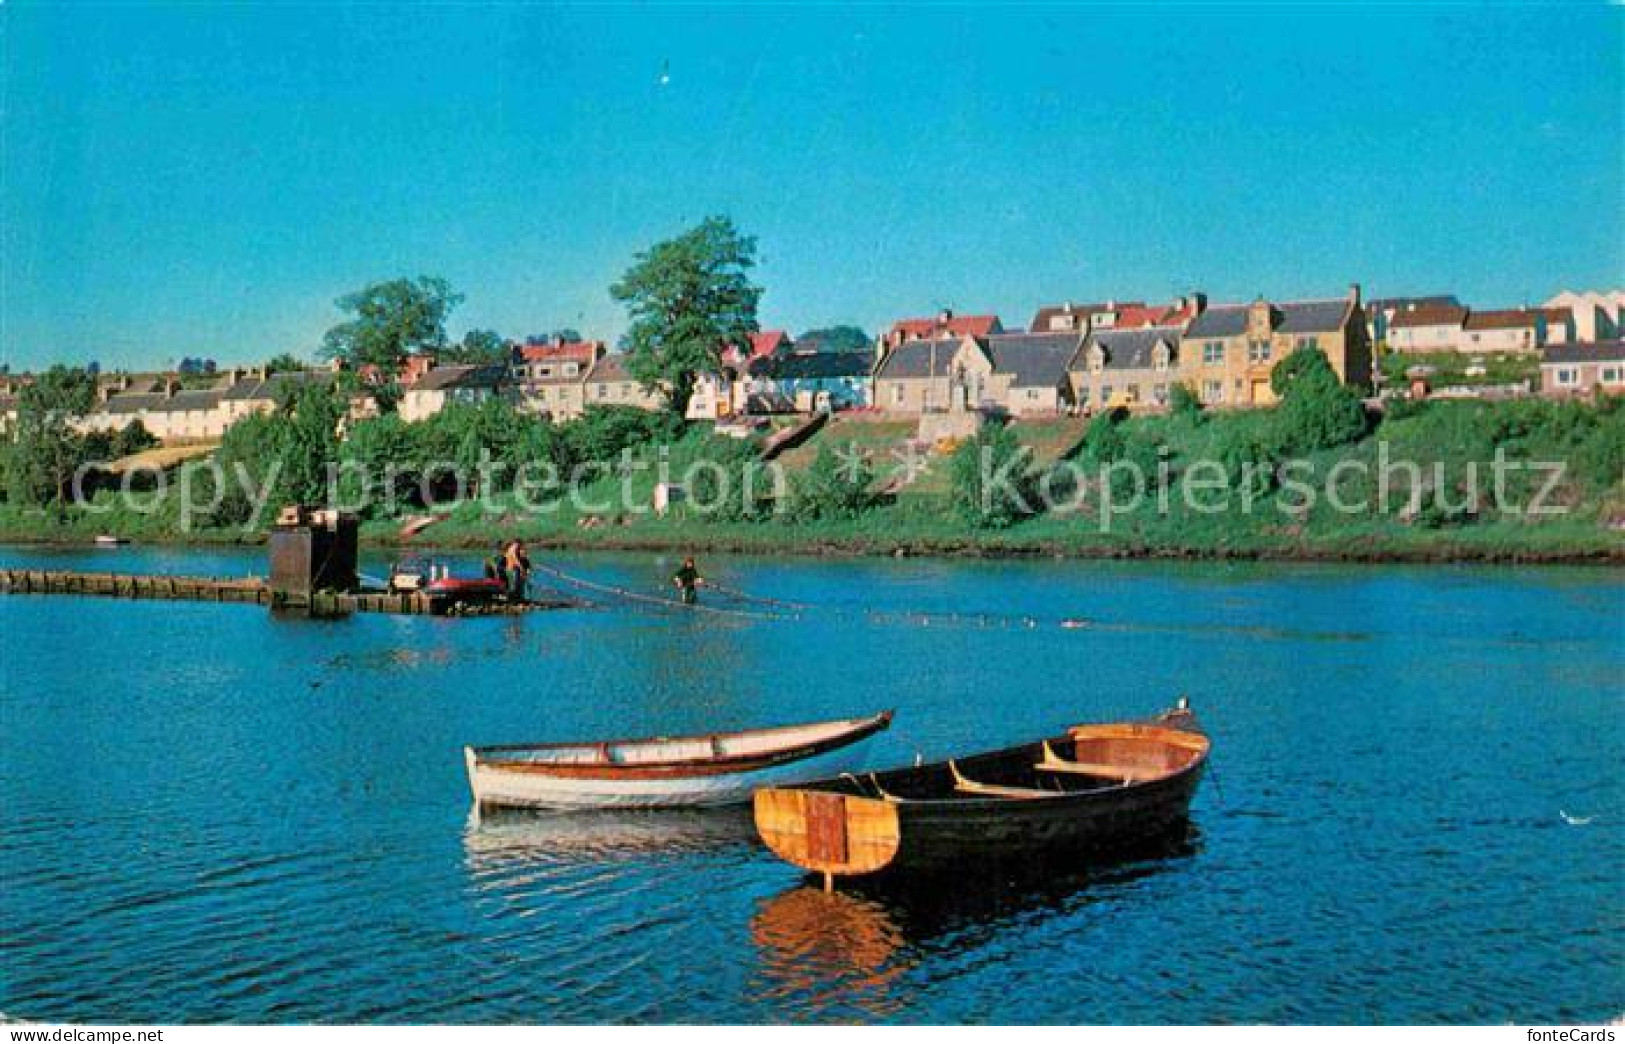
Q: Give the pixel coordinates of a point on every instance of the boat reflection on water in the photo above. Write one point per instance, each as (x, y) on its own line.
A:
(497, 841)
(849, 949)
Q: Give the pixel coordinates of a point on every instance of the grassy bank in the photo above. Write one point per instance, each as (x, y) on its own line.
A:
(1354, 516)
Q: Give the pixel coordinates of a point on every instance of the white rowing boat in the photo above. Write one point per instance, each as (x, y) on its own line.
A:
(667, 772)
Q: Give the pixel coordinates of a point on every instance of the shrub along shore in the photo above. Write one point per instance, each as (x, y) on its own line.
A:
(1519, 481)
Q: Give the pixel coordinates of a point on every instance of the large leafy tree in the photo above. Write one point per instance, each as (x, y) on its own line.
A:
(284, 362)
(46, 450)
(1317, 411)
(992, 478)
(391, 320)
(688, 297)
(481, 347)
(836, 339)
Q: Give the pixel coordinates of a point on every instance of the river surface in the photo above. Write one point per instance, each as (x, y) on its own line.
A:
(1416, 810)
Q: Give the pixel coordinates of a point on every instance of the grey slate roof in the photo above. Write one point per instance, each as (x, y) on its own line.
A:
(134, 403)
(1586, 352)
(611, 367)
(269, 387)
(922, 358)
(442, 378)
(1382, 304)
(1035, 360)
(1219, 321)
(1131, 349)
(806, 366)
(1312, 316)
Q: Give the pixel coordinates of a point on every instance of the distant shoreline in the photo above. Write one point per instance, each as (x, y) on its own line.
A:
(1442, 552)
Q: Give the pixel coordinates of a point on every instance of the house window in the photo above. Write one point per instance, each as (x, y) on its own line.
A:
(1303, 342)
(1259, 351)
(1213, 391)
(541, 393)
(1032, 394)
(1567, 376)
(897, 395)
(602, 391)
(1610, 374)
(1132, 393)
(571, 369)
(1160, 394)
(1105, 394)
(1213, 353)
(1161, 364)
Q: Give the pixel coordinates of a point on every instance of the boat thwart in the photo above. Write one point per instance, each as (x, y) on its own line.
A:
(1091, 788)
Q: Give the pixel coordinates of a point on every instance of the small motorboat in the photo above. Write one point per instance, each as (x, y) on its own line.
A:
(446, 591)
(409, 574)
(659, 772)
(109, 540)
(1090, 789)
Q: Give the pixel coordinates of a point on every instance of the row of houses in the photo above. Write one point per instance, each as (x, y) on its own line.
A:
(1443, 324)
(1082, 358)
(560, 379)
(1072, 359)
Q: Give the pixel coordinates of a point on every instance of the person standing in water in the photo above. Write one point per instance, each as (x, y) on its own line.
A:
(687, 580)
(517, 567)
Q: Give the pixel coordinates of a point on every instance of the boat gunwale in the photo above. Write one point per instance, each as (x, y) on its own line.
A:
(855, 729)
(1039, 800)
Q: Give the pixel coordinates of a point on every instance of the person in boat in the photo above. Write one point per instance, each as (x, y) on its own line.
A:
(517, 567)
(687, 580)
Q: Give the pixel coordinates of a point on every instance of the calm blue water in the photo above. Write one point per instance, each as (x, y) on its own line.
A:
(213, 814)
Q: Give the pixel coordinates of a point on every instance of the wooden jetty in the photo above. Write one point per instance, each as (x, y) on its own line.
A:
(248, 591)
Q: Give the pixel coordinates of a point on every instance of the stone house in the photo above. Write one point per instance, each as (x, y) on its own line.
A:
(610, 383)
(1596, 316)
(445, 385)
(1029, 376)
(1583, 369)
(1135, 369)
(1426, 328)
(928, 375)
(1229, 351)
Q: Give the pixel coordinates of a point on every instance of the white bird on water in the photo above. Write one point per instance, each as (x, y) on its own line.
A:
(665, 73)
(1575, 820)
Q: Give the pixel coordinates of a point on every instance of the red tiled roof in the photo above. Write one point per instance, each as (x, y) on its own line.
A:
(766, 342)
(1134, 316)
(1505, 319)
(1429, 315)
(584, 351)
(956, 325)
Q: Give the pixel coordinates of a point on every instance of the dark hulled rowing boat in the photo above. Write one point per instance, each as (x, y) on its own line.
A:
(1092, 788)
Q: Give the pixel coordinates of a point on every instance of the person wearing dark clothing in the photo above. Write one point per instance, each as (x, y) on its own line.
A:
(687, 580)
(517, 567)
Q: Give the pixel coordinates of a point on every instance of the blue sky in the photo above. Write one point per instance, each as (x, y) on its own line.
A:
(205, 180)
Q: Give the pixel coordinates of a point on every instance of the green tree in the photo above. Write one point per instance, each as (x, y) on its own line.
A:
(688, 297)
(563, 333)
(836, 486)
(1182, 402)
(132, 439)
(391, 320)
(841, 338)
(993, 479)
(47, 449)
(285, 362)
(1103, 442)
(1316, 411)
(480, 347)
(733, 485)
